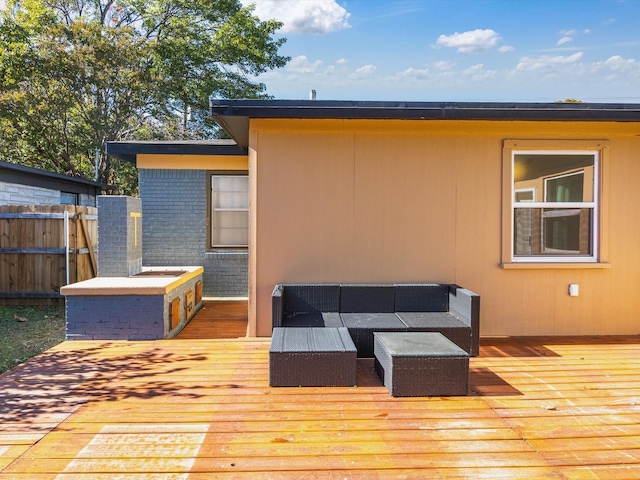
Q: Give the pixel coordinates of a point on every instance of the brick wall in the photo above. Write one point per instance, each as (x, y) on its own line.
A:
(174, 232)
(122, 317)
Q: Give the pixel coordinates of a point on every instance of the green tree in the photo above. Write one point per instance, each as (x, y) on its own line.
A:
(77, 73)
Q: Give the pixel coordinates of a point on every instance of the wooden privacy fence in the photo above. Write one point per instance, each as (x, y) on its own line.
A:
(43, 247)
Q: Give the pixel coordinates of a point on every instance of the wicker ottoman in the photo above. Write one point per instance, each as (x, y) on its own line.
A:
(420, 364)
(312, 357)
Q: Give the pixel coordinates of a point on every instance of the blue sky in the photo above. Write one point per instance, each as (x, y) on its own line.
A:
(457, 50)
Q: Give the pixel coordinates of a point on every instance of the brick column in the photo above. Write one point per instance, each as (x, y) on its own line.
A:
(119, 236)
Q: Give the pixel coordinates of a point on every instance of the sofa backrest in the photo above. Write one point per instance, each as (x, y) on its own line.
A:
(311, 298)
(368, 298)
(422, 297)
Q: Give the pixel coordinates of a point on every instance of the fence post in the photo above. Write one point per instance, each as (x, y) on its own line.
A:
(66, 243)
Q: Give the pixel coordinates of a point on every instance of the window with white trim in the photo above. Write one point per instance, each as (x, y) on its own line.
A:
(229, 211)
(554, 206)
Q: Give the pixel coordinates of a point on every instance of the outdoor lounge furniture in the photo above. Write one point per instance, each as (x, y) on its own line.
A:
(420, 364)
(364, 309)
(312, 357)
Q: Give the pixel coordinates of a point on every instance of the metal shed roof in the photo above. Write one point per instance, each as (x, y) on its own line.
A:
(19, 174)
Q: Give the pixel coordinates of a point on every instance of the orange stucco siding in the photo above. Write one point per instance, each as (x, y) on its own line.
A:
(415, 201)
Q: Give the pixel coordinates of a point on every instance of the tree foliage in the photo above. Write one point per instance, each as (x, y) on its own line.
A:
(77, 73)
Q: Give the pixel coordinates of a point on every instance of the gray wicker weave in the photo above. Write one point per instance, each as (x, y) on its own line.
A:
(362, 325)
(367, 298)
(420, 364)
(312, 357)
(303, 305)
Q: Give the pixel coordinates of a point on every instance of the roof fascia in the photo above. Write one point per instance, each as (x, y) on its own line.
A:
(234, 115)
(129, 150)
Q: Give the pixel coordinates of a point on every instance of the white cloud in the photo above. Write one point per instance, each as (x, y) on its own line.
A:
(302, 65)
(564, 40)
(415, 73)
(546, 63)
(506, 48)
(470, 42)
(619, 63)
(315, 17)
(444, 65)
(477, 72)
(619, 69)
(365, 71)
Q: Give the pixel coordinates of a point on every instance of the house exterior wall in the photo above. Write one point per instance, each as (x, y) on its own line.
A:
(16, 194)
(175, 221)
(422, 201)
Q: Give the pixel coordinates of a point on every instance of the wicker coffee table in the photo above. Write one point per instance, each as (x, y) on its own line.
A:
(312, 357)
(420, 364)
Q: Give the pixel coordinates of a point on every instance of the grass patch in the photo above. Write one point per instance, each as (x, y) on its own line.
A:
(28, 331)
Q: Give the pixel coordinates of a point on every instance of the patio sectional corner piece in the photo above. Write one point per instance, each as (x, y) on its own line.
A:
(445, 310)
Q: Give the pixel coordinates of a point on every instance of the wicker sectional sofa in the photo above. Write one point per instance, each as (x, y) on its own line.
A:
(367, 308)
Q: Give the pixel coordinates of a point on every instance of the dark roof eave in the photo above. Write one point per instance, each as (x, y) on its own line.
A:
(34, 176)
(234, 115)
(129, 150)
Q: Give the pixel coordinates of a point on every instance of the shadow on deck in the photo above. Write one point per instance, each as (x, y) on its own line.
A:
(218, 319)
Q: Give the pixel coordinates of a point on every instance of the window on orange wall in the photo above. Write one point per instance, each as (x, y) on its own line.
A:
(554, 207)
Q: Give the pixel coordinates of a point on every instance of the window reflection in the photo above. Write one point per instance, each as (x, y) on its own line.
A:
(553, 178)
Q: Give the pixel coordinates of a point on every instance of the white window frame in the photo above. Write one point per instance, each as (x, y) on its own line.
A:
(213, 210)
(593, 205)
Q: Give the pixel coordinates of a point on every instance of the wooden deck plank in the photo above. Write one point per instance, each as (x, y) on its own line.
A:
(516, 473)
(301, 463)
(198, 407)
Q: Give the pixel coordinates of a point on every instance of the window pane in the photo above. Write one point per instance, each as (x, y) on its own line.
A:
(567, 188)
(230, 183)
(230, 228)
(230, 191)
(230, 200)
(549, 231)
(563, 178)
(229, 210)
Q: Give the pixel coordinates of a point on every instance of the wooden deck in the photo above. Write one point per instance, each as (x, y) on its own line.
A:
(222, 319)
(202, 408)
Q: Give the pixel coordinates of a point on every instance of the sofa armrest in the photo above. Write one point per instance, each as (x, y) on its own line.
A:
(277, 298)
(465, 305)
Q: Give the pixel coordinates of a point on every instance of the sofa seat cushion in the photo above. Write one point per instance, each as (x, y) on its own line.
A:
(325, 319)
